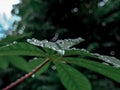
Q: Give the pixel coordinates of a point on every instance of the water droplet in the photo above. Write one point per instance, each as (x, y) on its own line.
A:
(8, 45)
(96, 54)
(117, 66)
(85, 50)
(103, 23)
(14, 42)
(74, 10)
(111, 60)
(112, 53)
(62, 52)
(102, 3)
(53, 67)
(33, 75)
(35, 58)
(59, 45)
(21, 31)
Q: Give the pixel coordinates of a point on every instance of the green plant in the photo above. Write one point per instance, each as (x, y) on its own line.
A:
(62, 54)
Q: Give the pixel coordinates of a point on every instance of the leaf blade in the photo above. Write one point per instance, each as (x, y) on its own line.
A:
(108, 71)
(34, 63)
(70, 76)
(19, 62)
(21, 49)
(79, 52)
(3, 63)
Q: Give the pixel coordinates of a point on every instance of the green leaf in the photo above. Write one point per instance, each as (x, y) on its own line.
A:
(106, 70)
(86, 54)
(58, 45)
(34, 63)
(110, 60)
(20, 49)
(22, 64)
(107, 8)
(71, 78)
(13, 38)
(50, 52)
(19, 62)
(79, 52)
(3, 62)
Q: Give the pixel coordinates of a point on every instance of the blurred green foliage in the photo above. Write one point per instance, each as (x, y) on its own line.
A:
(97, 21)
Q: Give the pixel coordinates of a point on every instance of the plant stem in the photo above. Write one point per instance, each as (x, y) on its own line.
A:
(20, 80)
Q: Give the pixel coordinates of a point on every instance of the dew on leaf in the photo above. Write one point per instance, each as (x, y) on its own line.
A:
(33, 75)
(60, 45)
(111, 60)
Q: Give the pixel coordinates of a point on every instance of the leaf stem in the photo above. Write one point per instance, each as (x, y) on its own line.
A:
(20, 80)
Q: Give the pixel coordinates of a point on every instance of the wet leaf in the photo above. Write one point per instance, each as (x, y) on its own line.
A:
(106, 70)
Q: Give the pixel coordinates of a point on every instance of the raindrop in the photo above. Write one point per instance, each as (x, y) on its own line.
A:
(62, 52)
(107, 60)
(14, 42)
(53, 67)
(103, 23)
(85, 50)
(35, 58)
(60, 45)
(8, 45)
(96, 54)
(74, 10)
(102, 3)
(117, 66)
(112, 53)
(21, 30)
(33, 75)
(111, 60)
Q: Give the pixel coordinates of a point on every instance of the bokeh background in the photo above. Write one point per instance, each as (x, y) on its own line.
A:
(96, 21)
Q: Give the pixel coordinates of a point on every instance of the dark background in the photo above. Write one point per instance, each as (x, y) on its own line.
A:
(60, 19)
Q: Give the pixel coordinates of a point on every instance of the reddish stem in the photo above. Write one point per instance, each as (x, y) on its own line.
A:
(20, 80)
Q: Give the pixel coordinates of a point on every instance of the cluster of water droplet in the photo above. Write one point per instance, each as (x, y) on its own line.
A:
(107, 60)
(111, 60)
(60, 45)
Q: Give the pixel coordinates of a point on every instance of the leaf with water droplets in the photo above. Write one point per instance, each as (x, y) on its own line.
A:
(108, 59)
(78, 52)
(84, 53)
(59, 45)
(68, 43)
(106, 70)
